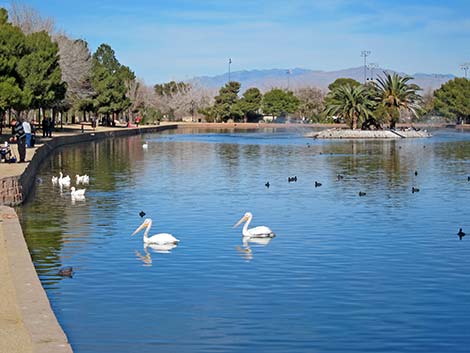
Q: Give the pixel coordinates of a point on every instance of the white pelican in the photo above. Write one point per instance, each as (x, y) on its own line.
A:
(77, 192)
(257, 232)
(159, 239)
(84, 179)
(145, 146)
(64, 181)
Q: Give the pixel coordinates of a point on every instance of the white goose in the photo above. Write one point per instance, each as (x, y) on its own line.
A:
(84, 179)
(159, 239)
(64, 181)
(77, 192)
(256, 232)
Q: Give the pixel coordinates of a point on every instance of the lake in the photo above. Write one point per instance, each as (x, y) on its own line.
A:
(385, 272)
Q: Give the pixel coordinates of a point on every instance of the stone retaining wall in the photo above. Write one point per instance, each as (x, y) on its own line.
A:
(15, 190)
(10, 191)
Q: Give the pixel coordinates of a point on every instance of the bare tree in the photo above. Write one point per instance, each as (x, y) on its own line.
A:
(185, 102)
(75, 63)
(311, 102)
(28, 19)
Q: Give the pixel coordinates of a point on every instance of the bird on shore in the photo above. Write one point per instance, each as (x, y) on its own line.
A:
(461, 233)
(77, 192)
(159, 239)
(317, 184)
(55, 180)
(413, 190)
(256, 232)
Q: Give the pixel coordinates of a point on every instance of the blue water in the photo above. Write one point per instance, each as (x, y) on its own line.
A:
(381, 273)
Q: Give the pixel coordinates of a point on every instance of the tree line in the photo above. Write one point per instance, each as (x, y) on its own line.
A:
(44, 72)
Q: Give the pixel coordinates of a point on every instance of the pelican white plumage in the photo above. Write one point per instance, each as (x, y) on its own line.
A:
(145, 146)
(64, 181)
(159, 239)
(256, 232)
(77, 192)
(84, 179)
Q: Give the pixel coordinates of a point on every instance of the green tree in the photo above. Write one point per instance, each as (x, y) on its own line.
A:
(343, 81)
(108, 80)
(171, 88)
(40, 71)
(452, 100)
(12, 49)
(353, 104)
(249, 105)
(278, 102)
(394, 93)
(225, 107)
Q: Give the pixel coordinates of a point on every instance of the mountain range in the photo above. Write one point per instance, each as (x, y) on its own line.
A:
(298, 78)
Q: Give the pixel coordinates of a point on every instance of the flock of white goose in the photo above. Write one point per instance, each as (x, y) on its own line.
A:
(65, 181)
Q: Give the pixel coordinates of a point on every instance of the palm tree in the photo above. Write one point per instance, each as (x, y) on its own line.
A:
(394, 93)
(353, 104)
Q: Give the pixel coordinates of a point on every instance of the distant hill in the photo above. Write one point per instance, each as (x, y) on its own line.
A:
(297, 78)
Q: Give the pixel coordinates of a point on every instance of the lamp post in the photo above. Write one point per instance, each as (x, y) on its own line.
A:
(371, 67)
(365, 54)
(288, 72)
(229, 63)
(465, 68)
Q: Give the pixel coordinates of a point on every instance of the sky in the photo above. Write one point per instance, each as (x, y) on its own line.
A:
(179, 39)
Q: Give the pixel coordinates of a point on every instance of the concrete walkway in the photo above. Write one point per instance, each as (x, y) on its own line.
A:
(14, 337)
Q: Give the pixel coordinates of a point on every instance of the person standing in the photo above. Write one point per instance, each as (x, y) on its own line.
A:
(19, 136)
(45, 126)
(50, 127)
(27, 131)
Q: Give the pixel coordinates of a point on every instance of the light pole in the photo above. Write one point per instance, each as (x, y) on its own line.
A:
(288, 72)
(371, 67)
(365, 54)
(229, 63)
(465, 68)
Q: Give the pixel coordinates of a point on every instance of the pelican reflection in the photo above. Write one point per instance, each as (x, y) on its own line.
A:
(146, 258)
(246, 251)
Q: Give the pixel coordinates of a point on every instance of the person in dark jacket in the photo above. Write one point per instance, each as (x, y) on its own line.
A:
(45, 127)
(19, 136)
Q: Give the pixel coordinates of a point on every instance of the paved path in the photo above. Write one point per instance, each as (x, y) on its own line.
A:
(14, 337)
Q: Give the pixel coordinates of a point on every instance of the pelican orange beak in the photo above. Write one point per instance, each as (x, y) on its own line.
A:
(243, 219)
(142, 226)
